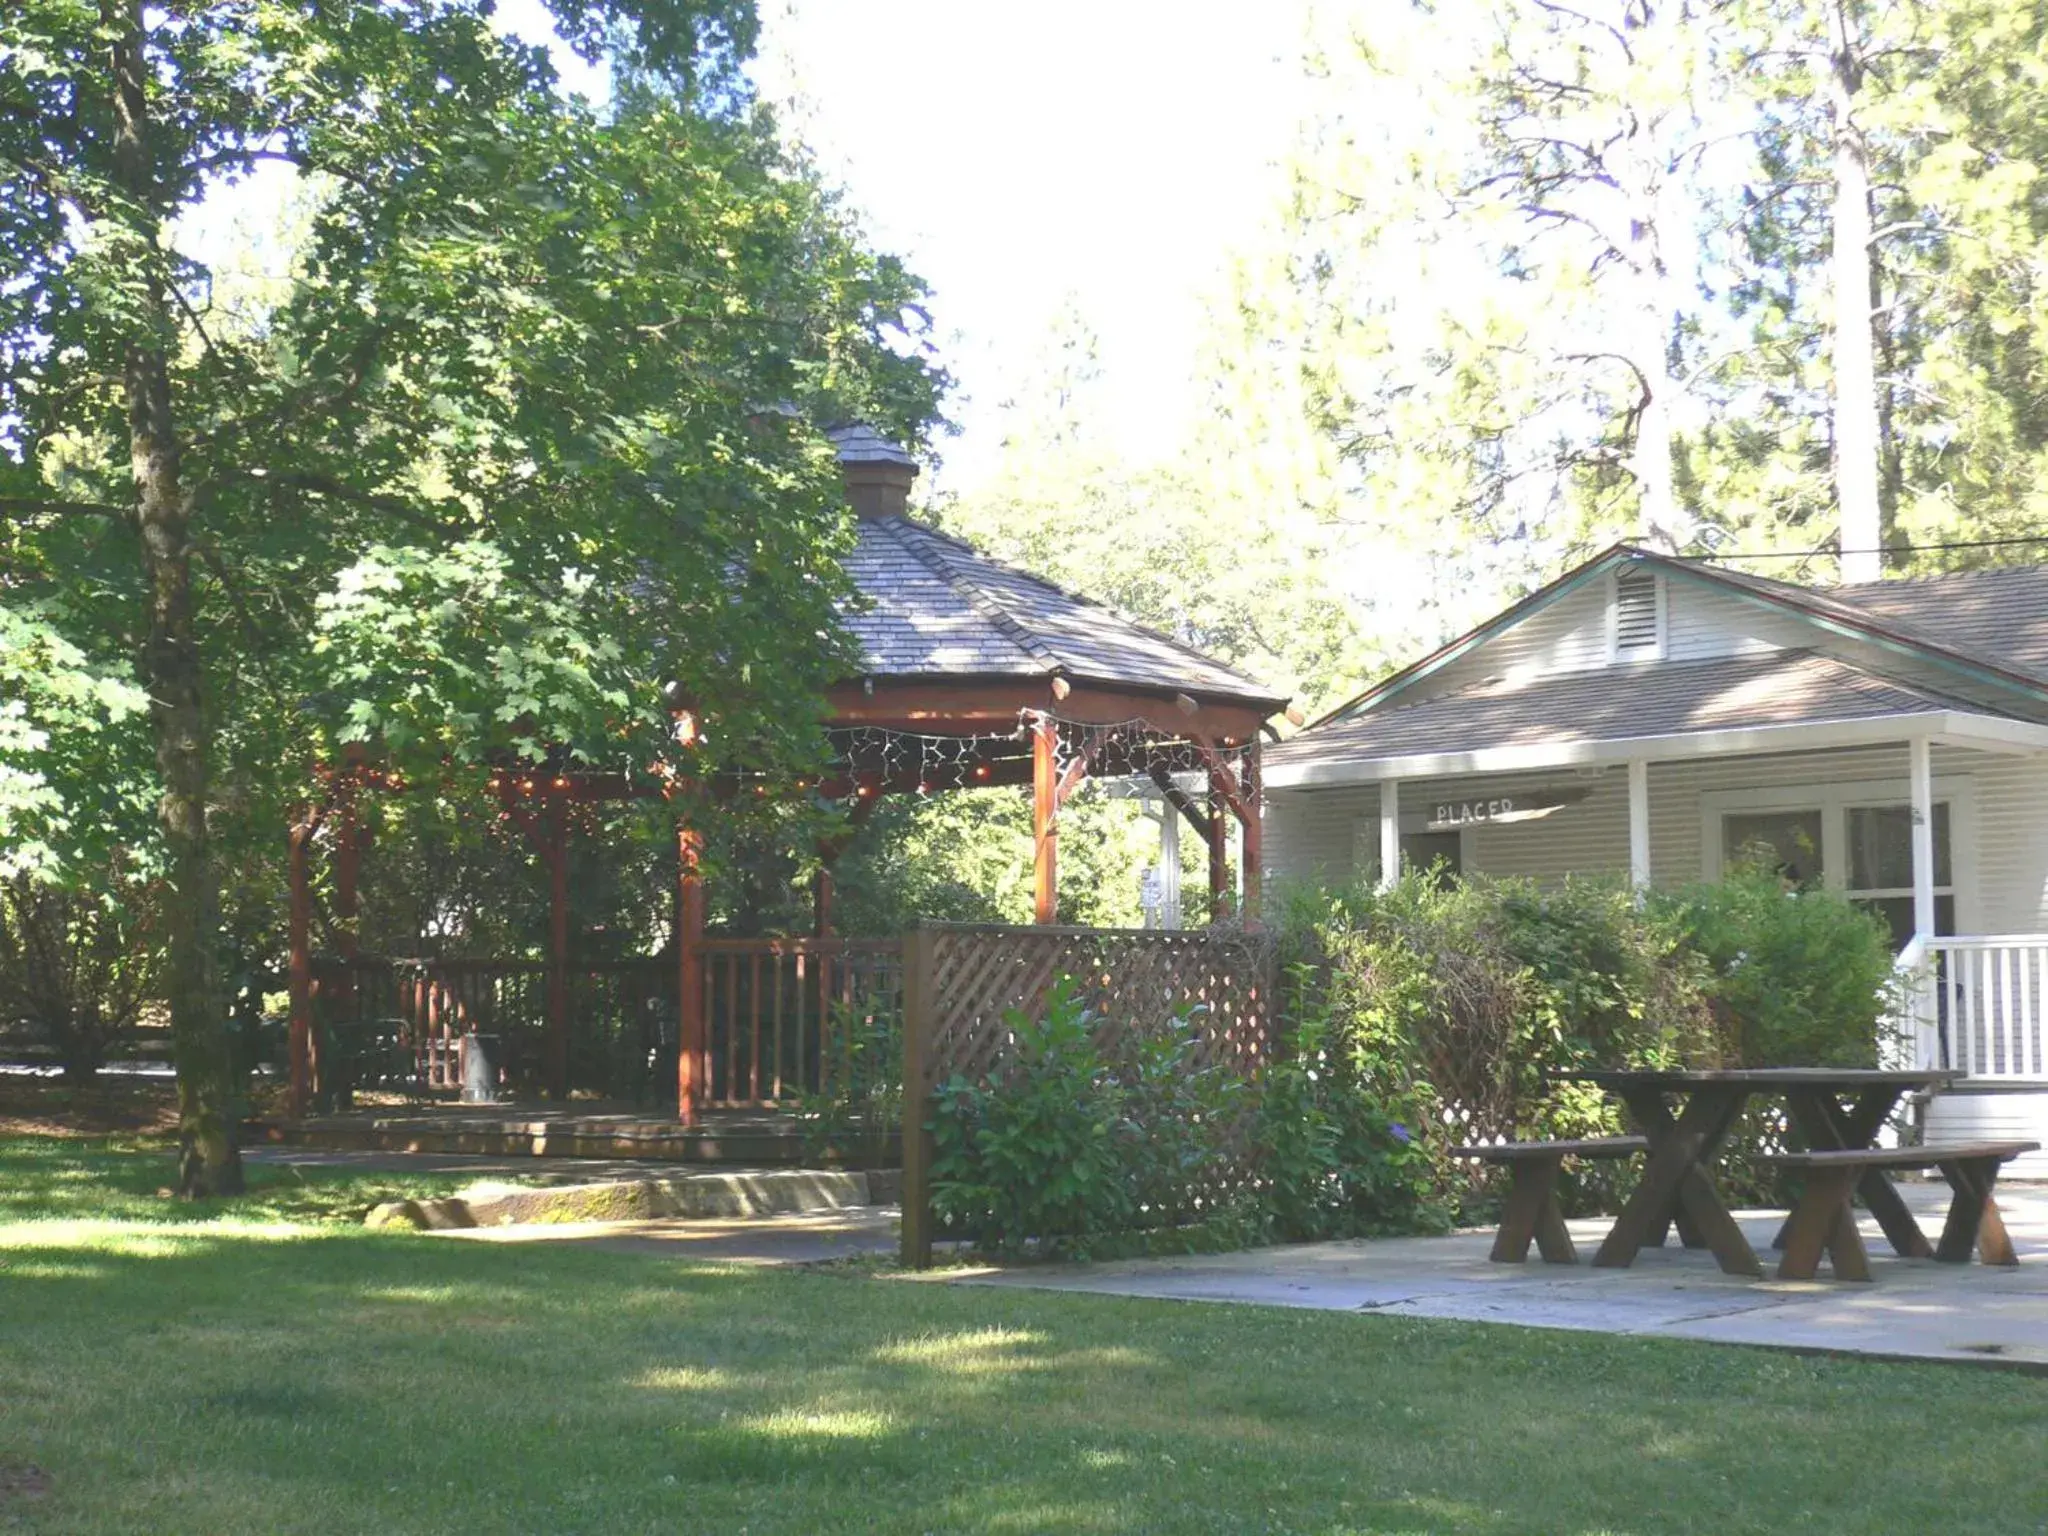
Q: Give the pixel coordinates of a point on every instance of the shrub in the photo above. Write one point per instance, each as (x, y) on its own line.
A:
(1077, 1138)
(861, 1101)
(1034, 1154)
(1795, 978)
(76, 966)
(1410, 1020)
(1347, 1146)
(1471, 998)
(1185, 1123)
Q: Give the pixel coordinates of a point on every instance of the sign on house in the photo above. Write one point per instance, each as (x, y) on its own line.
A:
(1530, 805)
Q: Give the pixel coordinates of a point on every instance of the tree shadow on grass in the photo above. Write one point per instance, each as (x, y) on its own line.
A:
(221, 1379)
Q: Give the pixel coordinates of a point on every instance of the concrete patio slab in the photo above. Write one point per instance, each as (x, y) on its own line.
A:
(1912, 1307)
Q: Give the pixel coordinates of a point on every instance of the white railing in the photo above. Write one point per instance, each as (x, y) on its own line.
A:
(1978, 1005)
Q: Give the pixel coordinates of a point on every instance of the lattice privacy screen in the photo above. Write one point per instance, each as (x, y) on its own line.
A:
(1131, 978)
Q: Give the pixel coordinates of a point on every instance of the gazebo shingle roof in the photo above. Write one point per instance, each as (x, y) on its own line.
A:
(937, 607)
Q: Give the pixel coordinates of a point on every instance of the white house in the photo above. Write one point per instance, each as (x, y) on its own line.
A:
(1650, 717)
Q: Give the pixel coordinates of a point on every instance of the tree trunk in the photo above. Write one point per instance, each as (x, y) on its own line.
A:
(1651, 461)
(209, 1162)
(1856, 435)
(81, 1038)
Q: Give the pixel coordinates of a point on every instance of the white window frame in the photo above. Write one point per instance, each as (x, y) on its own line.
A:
(1834, 802)
(1662, 589)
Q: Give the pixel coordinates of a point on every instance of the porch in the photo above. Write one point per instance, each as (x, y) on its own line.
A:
(1933, 821)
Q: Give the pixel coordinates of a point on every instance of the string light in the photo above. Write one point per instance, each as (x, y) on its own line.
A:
(872, 759)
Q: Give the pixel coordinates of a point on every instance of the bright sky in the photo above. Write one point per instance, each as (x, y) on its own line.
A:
(1113, 151)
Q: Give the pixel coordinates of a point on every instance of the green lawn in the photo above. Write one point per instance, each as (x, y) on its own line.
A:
(274, 1376)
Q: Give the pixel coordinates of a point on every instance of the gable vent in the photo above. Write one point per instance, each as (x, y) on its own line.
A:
(1638, 636)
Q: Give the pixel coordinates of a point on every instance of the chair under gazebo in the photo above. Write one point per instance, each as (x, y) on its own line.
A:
(972, 674)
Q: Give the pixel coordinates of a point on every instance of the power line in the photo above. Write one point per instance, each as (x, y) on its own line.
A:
(1894, 549)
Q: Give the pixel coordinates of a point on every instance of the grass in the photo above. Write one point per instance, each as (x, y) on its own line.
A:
(256, 1373)
(119, 1179)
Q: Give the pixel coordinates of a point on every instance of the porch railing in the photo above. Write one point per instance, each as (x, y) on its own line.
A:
(1978, 1005)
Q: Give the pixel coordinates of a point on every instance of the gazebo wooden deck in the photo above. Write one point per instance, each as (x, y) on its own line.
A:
(972, 674)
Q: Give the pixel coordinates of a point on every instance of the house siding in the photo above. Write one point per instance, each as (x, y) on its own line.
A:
(2011, 841)
(1331, 835)
(1570, 635)
(2004, 1116)
(1702, 624)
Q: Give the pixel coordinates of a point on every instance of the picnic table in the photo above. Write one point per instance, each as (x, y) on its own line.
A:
(1834, 1109)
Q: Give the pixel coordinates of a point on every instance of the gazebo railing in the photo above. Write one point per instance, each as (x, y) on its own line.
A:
(777, 1016)
(399, 1024)
(781, 1014)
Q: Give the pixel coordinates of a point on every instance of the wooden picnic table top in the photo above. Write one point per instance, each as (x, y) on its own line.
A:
(1759, 1077)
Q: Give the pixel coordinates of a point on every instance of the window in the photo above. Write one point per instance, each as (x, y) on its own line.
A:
(1881, 867)
(1789, 841)
(1637, 627)
(1864, 850)
(1440, 854)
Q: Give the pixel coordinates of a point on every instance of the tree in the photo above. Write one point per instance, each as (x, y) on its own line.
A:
(1495, 225)
(1591, 129)
(508, 455)
(1218, 548)
(1892, 239)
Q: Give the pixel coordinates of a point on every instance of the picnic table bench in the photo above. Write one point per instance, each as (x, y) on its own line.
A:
(1531, 1210)
(1687, 1116)
(1824, 1219)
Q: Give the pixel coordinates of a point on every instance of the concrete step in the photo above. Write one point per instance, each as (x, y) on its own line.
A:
(724, 1196)
(739, 1140)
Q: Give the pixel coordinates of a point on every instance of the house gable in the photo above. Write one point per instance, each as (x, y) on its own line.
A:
(1580, 623)
(1590, 626)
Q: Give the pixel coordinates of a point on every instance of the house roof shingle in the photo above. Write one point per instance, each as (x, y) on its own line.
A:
(1622, 703)
(2000, 614)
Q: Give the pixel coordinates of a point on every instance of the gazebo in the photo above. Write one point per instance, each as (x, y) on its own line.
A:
(972, 674)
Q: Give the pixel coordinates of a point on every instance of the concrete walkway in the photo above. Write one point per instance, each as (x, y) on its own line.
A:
(1912, 1308)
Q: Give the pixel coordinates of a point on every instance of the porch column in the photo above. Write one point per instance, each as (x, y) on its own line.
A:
(1639, 824)
(1390, 832)
(1921, 772)
(1045, 829)
(689, 971)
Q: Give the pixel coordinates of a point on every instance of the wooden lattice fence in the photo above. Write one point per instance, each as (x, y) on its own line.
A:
(962, 982)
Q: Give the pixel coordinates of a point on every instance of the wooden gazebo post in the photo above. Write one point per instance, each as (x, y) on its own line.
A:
(299, 850)
(555, 853)
(1249, 796)
(689, 971)
(1045, 820)
(1219, 845)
